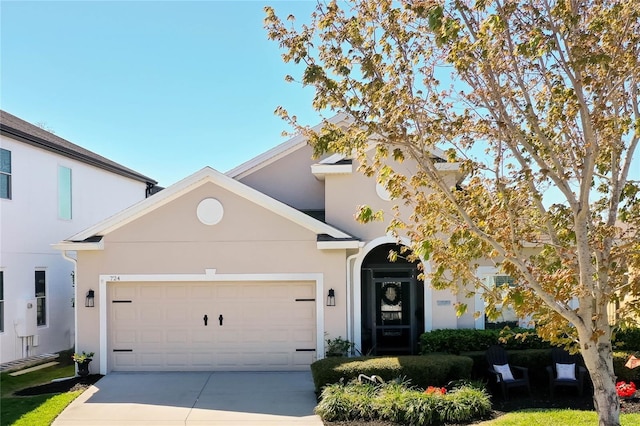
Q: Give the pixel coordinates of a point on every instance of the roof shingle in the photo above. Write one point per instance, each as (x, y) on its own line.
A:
(18, 129)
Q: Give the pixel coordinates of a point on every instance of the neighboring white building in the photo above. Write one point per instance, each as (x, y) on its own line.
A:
(50, 188)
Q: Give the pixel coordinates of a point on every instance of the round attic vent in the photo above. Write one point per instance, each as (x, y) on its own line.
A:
(382, 192)
(210, 211)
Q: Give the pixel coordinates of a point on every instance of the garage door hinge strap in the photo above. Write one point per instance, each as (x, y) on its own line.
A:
(305, 350)
(123, 350)
(305, 300)
(121, 301)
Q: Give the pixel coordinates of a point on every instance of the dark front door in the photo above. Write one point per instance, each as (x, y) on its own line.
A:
(392, 302)
(394, 326)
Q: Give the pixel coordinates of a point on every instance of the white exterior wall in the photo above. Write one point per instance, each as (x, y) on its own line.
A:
(30, 224)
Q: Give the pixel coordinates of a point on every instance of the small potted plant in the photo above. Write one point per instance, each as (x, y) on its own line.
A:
(338, 347)
(83, 360)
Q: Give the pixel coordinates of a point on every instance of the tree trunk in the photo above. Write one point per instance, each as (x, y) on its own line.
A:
(598, 358)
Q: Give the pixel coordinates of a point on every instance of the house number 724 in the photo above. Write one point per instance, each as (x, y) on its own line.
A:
(114, 278)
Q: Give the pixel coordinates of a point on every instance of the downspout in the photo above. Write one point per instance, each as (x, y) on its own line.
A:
(75, 296)
(349, 288)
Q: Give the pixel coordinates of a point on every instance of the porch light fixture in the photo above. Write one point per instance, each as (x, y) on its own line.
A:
(89, 301)
(331, 298)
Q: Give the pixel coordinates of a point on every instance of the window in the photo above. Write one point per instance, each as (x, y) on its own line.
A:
(1, 301)
(64, 193)
(5, 174)
(507, 316)
(41, 297)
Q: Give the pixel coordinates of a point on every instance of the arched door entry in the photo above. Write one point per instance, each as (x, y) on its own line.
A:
(392, 304)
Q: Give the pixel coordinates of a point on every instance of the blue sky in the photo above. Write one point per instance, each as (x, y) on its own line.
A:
(164, 88)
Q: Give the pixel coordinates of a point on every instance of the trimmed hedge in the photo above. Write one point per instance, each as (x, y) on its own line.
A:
(627, 340)
(456, 341)
(423, 371)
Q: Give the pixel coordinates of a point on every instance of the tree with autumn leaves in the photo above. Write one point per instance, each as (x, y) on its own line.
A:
(537, 103)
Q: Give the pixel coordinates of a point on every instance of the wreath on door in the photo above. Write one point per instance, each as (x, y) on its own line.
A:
(391, 294)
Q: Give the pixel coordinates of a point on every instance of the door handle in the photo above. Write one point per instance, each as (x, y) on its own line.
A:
(220, 318)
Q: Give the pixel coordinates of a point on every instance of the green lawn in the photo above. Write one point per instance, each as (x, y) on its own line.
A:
(37, 410)
(10, 384)
(537, 417)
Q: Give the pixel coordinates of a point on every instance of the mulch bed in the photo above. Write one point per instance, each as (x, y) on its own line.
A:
(74, 384)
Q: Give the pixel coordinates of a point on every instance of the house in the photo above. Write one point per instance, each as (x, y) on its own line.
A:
(50, 188)
(253, 270)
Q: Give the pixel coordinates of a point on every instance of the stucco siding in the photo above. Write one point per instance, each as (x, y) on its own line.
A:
(289, 179)
(345, 192)
(29, 225)
(171, 240)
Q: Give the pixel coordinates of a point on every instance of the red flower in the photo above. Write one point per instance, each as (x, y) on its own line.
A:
(435, 390)
(625, 390)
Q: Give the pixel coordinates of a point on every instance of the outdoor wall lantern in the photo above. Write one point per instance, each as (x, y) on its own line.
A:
(89, 301)
(331, 298)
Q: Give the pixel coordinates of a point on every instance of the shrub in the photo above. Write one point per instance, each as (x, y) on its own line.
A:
(340, 402)
(455, 341)
(627, 340)
(436, 370)
(396, 402)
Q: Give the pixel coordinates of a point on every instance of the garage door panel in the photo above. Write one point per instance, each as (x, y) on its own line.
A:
(252, 336)
(123, 292)
(201, 292)
(152, 292)
(227, 336)
(151, 360)
(303, 292)
(123, 312)
(125, 360)
(124, 336)
(307, 337)
(151, 336)
(303, 311)
(175, 292)
(176, 360)
(303, 359)
(176, 337)
(281, 359)
(227, 291)
(263, 326)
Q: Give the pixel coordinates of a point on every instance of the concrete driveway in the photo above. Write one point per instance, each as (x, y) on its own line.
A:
(195, 398)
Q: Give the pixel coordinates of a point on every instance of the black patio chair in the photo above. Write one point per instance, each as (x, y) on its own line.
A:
(565, 370)
(506, 376)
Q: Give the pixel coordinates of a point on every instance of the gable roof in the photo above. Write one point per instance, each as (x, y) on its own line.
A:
(20, 130)
(87, 238)
(279, 151)
(324, 166)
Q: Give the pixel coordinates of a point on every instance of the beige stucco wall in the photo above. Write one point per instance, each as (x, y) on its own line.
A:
(289, 179)
(345, 192)
(171, 240)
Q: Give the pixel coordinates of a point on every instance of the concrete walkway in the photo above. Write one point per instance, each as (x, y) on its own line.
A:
(195, 398)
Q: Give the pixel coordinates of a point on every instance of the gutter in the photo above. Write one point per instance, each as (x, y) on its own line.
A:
(75, 298)
(349, 288)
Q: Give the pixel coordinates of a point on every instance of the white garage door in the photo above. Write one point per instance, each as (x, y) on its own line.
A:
(252, 326)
